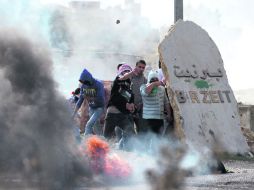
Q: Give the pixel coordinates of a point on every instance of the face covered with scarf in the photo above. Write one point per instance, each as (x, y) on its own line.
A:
(153, 76)
(123, 69)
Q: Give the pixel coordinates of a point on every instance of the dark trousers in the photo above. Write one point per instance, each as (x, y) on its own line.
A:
(139, 121)
(148, 135)
(123, 121)
(152, 125)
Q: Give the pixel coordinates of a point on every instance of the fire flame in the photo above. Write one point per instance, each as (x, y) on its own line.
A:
(101, 161)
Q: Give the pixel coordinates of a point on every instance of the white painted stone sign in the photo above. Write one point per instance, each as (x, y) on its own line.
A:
(204, 105)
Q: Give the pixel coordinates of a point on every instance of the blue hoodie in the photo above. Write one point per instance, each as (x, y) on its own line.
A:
(94, 92)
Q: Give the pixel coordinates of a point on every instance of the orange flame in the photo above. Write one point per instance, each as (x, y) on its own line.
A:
(96, 147)
(97, 150)
(113, 166)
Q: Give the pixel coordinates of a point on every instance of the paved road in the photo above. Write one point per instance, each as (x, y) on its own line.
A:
(241, 179)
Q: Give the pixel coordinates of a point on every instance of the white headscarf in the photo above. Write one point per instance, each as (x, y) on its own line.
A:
(152, 74)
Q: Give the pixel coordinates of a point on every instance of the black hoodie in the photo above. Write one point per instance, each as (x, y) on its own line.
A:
(121, 94)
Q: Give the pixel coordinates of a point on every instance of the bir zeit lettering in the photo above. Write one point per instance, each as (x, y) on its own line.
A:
(205, 96)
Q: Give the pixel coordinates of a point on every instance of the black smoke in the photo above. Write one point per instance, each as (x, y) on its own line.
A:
(37, 145)
(170, 175)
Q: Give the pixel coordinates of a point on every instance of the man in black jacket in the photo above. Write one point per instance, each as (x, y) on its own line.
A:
(120, 107)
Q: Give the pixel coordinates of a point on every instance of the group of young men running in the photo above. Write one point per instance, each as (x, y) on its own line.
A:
(136, 105)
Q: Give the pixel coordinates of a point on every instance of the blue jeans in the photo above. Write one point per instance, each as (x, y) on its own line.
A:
(94, 116)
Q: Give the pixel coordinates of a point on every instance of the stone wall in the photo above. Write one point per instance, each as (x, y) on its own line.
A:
(246, 113)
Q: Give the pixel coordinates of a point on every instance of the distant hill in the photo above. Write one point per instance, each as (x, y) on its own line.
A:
(245, 96)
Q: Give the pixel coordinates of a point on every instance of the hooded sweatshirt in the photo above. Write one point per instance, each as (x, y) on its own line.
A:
(91, 89)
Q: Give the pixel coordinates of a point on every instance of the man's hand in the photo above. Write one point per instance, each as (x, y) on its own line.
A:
(130, 107)
(135, 71)
(127, 75)
(163, 82)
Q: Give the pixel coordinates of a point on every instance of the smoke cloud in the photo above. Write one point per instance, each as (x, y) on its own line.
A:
(36, 138)
(89, 37)
(166, 162)
(85, 34)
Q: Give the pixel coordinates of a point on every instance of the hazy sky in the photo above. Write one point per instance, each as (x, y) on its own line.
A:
(230, 23)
